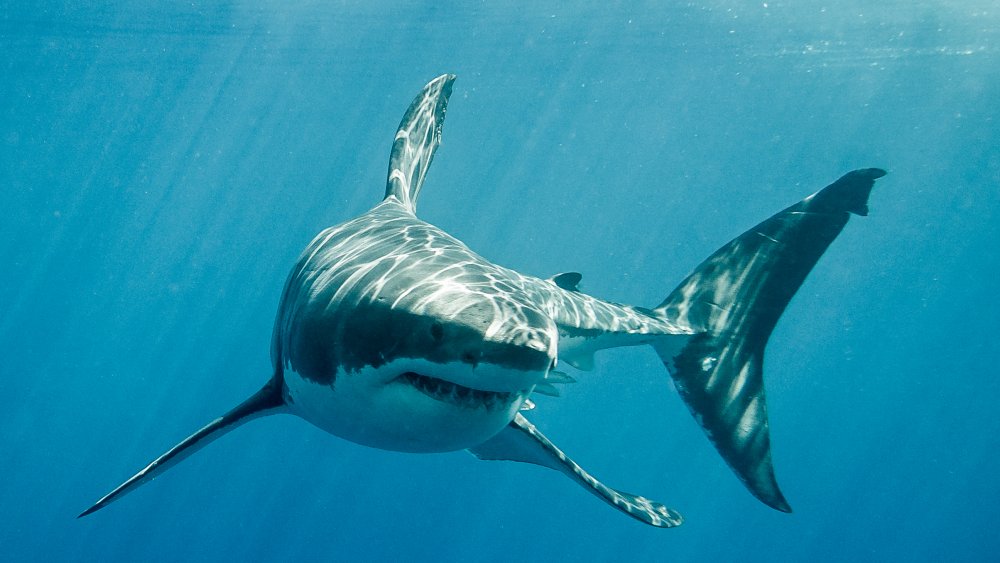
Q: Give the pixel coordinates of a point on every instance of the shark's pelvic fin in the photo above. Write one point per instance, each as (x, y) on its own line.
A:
(583, 360)
(264, 402)
(521, 441)
(417, 139)
(736, 297)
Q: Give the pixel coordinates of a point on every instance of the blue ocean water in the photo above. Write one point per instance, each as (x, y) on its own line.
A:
(163, 165)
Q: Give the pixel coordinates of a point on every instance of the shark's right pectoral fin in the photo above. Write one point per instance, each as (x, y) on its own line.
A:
(735, 298)
(521, 441)
(264, 402)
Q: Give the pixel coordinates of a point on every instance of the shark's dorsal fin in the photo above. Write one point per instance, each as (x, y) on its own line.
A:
(521, 441)
(570, 281)
(417, 138)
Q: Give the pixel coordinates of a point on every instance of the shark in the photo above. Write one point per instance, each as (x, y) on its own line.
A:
(393, 334)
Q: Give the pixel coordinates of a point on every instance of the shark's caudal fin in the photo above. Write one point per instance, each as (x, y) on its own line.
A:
(266, 401)
(521, 441)
(736, 297)
(417, 139)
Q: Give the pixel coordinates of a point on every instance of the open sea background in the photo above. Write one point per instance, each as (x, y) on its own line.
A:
(163, 164)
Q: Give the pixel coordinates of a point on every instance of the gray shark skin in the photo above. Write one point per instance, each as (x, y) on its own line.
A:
(393, 334)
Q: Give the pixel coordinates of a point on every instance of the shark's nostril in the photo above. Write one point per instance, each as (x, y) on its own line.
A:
(469, 357)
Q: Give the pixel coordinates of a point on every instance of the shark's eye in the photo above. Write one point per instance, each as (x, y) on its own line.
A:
(437, 332)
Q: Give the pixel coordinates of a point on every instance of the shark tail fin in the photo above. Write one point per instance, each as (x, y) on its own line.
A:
(417, 138)
(266, 401)
(734, 299)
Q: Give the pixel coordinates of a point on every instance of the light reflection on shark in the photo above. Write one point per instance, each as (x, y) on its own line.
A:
(392, 334)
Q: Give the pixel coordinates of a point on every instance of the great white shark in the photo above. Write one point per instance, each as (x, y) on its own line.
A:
(393, 334)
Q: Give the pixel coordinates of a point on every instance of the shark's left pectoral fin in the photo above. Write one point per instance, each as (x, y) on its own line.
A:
(521, 441)
(264, 402)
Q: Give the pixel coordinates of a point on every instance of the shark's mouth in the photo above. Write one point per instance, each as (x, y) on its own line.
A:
(457, 394)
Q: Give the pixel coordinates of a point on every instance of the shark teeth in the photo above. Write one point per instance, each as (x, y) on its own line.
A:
(457, 394)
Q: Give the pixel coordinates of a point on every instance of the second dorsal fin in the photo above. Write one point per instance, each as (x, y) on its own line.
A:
(417, 138)
(570, 281)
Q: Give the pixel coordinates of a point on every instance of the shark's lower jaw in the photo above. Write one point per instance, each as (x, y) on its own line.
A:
(456, 394)
(399, 408)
